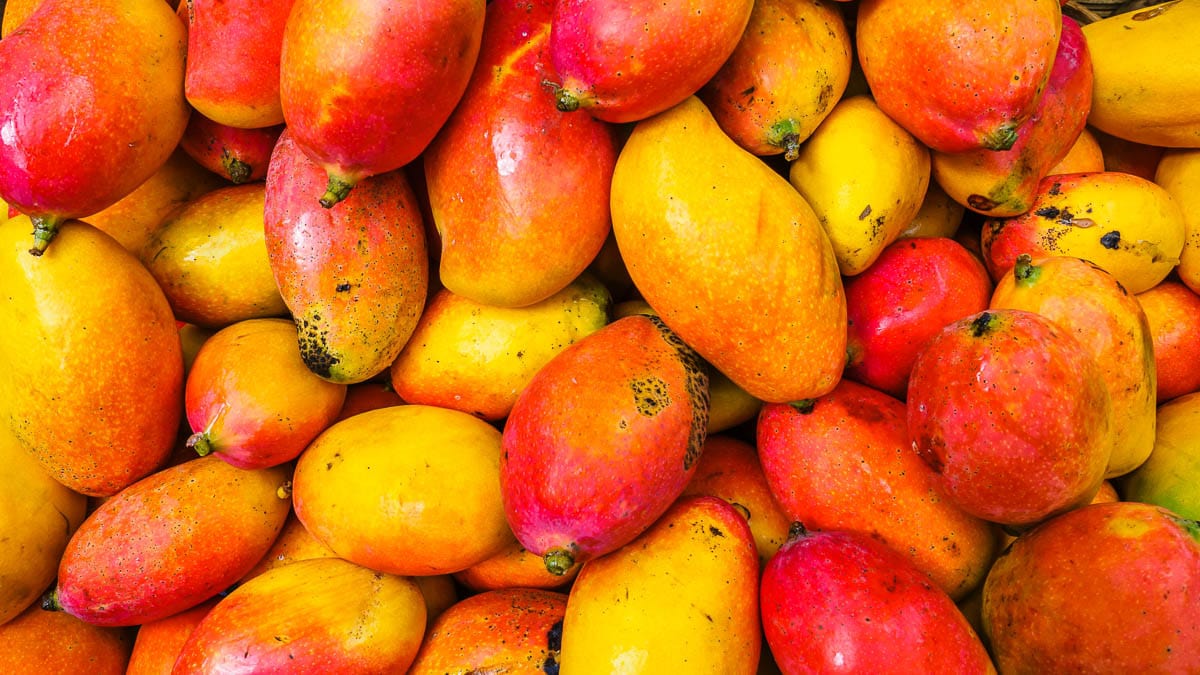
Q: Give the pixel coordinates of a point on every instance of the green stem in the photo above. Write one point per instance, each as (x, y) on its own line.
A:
(1001, 138)
(44, 229)
(558, 561)
(50, 601)
(335, 191)
(237, 170)
(1024, 271)
(200, 442)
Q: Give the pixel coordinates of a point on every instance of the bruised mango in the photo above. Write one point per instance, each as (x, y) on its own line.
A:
(576, 485)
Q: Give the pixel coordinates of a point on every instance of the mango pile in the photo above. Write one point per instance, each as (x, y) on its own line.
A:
(599, 336)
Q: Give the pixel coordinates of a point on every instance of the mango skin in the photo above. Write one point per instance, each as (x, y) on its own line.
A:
(38, 641)
(210, 258)
(373, 488)
(477, 358)
(625, 61)
(1145, 64)
(236, 155)
(844, 461)
(1178, 172)
(517, 188)
(842, 601)
(38, 515)
(509, 630)
(790, 67)
(158, 643)
(514, 567)
(679, 598)
(170, 542)
(1106, 588)
(354, 276)
(1127, 225)
(865, 177)
(1173, 312)
(586, 470)
(680, 180)
(89, 121)
(320, 615)
(1109, 325)
(92, 346)
(1170, 477)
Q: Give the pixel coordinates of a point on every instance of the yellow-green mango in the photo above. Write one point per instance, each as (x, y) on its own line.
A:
(1171, 476)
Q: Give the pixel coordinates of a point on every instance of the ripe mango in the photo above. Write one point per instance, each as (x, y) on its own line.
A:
(1170, 477)
(38, 641)
(1178, 173)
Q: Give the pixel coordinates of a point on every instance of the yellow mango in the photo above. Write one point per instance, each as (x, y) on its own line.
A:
(37, 517)
(409, 489)
(865, 177)
(1170, 478)
(1179, 174)
(1085, 155)
(939, 215)
(730, 255)
(210, 257)
(681, 598)
(477, 358)
(1145, 64)
(1127, 225)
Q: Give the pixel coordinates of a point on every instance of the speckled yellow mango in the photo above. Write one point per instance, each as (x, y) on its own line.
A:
(865, 177)
(1179, 174)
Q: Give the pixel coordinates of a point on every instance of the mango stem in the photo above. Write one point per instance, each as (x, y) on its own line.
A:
(200, 442)
(335, 191)
(558, 561)
(44, 229)
(50, 601)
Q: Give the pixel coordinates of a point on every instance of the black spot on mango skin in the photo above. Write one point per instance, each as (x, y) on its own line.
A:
(314, 347)
(650, 395)
(696, 386)
(1111, 240)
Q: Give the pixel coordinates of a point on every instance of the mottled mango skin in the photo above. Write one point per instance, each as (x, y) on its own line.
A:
(324, 615)
(517, 188)
(624, 61)
(354, 276)
(1111, 588)
(171, 541)
(959, 75)
(237, 155)
(603, 439)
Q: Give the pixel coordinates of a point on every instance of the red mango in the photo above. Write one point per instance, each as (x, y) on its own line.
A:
(237, 155)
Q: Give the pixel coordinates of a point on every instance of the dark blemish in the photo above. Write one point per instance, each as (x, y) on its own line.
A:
(980, 203)
(329, 466)
(1048, 212)
(1056, 189)
(314, 347)
(930, 455)
(804, 406)
(650, 395)
(696, 386)
(865, 212)
(981, 324)
(715, 531)
(342, 288)
(749, 91)
(1111, 240)
(554, 636)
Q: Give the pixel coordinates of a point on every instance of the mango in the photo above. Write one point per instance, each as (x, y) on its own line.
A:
(585, 470)
(1111, 327)
(159, 642)
(170, 542)
(89, 119)
(236, 155)
(1170, 477)
(1173, 312)
(1178, 172)
(865, 177)
(1085, 156)
(37, 517)
(366, 84)
(210, 258)
(354, 277)
(373, 488)
(939, 215)
(1106, 588)
(477, 358)
(514, 567)
(518, 189)
(1145, 65)
(321, 615)
(1127, 225)
(679, 598)
(94, 381)
(841, 601)
(293, 543)
(707, 230)
(38, 641)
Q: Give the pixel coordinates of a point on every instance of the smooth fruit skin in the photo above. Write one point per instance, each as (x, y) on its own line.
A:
(1109, 588)
(844, 462)
(679, 598)
(37, 518)
(94, 379)
(514, 567)
(843, 602)
(293, 543)
(366, 84)
(159, 642)
(1111, 327)
(1127, 225)
(625, 61)
(251, 401)
(510, 630)
(914, 289)
(88, 119)
(790, 67)
(237, 155)
(477, 358)
(210, 258)
(506, 144)
(958, 74)
(375, 488)
(325, 615)
(1084, 156)
(354, 276)
(170, 541)
(1178, 172)
(1173, 312)
(38, 641)
(1005, 183)
(587, 469)
(1171, 476)
(707, 229)
(233, 52)
(1146, 89)
(1009, 394)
